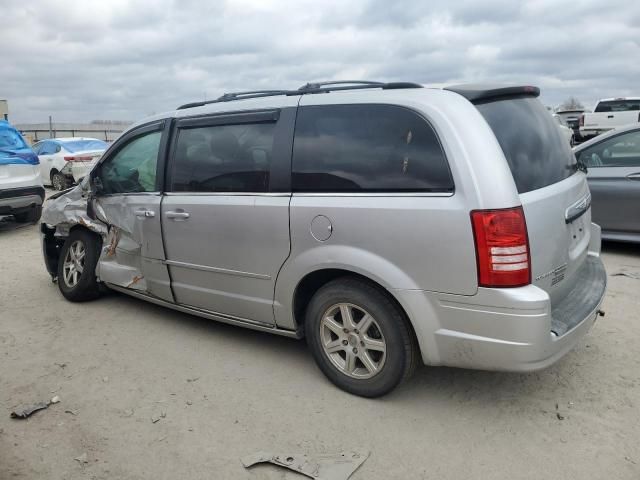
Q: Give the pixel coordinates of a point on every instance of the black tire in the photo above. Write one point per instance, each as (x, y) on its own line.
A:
(31, 216)
(402, 352)
(59, 181)
(87, 287)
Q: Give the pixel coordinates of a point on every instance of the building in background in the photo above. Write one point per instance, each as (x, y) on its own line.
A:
(107, 130)
(4, 110)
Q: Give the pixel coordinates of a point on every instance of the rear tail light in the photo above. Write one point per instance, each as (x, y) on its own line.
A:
(581, 120)
(502, 247)
(78, 159)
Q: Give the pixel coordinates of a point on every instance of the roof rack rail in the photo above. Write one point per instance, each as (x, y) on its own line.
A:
(227, 97)
(332, 86)
(313, 87)
(319, 85)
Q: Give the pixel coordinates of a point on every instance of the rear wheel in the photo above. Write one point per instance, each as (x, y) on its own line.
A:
(359, 338)
(77, 266)
(59, 181)
(31, 216)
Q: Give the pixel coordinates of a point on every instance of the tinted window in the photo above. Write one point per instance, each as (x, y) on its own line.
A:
(619, 151)
(79, 145)
(133, 167)
(537, 153)
(367, 148)
(223, 158)
(618, 106)
(48, 148)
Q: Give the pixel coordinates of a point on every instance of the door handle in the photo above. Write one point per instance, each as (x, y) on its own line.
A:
(145, 213)
(609, 116)
(175, 215)
(634, 176)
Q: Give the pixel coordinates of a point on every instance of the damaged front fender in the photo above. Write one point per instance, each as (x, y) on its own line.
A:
(131, 243)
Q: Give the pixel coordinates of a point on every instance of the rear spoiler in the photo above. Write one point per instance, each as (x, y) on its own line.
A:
(489, 93)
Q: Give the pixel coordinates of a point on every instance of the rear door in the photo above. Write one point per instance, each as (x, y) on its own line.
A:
(554, 194)
(614, 181)
(225, 216)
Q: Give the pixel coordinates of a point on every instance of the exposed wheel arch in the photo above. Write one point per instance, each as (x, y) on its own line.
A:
(313, 281)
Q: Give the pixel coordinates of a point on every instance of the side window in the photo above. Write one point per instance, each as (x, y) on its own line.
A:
(47, 148)
(223, 158)
(133, 168)
(367, 148)
(36, 148)
(619, 151)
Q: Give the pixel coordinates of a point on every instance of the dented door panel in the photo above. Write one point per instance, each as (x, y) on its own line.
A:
(133, 254)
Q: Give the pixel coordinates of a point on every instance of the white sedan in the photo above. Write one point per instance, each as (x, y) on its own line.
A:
(64, 161)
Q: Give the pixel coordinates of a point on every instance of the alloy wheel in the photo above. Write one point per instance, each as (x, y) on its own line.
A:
(352, 340)
(74, 263)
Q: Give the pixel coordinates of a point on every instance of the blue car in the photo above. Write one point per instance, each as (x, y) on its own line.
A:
(21, 190)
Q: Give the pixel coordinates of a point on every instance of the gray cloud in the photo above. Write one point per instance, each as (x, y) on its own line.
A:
(125, 59)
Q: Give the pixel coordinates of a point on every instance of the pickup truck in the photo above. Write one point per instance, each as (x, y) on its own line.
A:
(608, 114)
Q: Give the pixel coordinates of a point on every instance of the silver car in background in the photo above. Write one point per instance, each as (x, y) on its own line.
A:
(613, 160)
(386, 223)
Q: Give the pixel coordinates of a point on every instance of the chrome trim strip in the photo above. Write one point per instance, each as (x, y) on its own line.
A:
(225, 271)
(578, 209)
(373, 194)
(227, 194)
(128, 194)
(220, 317)
(308, 194)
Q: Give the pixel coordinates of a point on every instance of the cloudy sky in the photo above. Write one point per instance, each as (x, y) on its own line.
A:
(124, 59)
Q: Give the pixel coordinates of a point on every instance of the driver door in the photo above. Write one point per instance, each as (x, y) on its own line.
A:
(128, 183)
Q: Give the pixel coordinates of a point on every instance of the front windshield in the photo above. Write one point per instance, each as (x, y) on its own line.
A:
(11, 139)
(80, 145)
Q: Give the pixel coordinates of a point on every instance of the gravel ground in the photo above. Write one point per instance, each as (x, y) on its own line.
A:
(226, 392)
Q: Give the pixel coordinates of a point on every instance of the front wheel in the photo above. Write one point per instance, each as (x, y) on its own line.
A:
(77, 266)
(59, 181)
(360, 338)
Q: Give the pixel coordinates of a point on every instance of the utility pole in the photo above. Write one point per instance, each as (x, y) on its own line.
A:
(50, 127)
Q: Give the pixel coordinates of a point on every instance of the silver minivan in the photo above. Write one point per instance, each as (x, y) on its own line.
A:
(386, 223)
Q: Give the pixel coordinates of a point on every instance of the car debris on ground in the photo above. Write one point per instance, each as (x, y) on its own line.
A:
(25, 411)
(157, 418)
(338, 466)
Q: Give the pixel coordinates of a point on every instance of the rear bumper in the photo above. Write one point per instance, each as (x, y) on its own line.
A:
(513, 329)
(17, 200)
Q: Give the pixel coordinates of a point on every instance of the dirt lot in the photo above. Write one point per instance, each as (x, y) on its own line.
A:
(226, 392)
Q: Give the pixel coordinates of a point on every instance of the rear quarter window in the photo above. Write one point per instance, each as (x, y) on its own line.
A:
(367, 148)
(530, 138)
